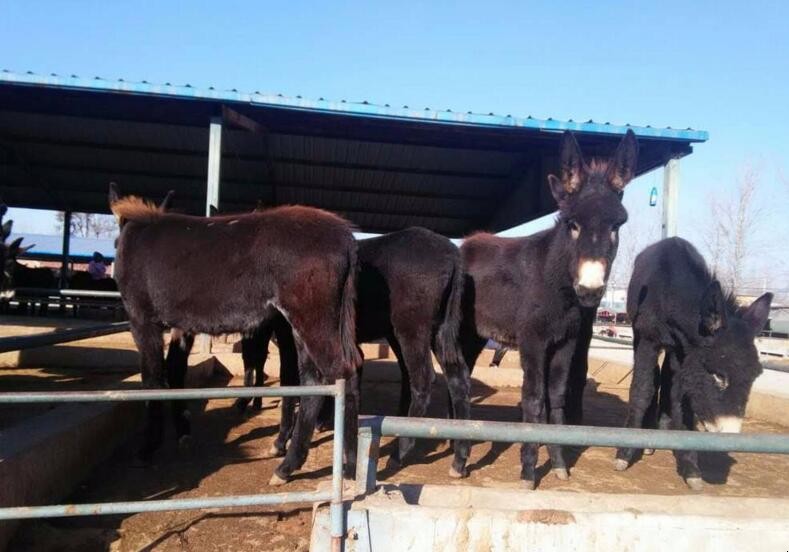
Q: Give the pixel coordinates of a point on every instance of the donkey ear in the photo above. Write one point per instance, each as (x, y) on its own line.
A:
(164, 206)
(5, 230)
(114, 193)
(13, 248)
(713, 309)
(25, 249)
(3, 210)
(623, 165)
(571, 163)
(757, 314)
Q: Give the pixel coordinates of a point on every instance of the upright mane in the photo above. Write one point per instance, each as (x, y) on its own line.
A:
(598, 166)
(135, 208)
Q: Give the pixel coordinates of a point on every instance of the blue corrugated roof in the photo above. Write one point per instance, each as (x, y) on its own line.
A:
(47, 245)
(363, 109)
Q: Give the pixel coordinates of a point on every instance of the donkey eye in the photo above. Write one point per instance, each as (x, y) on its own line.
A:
(575, 229)
(721, 382)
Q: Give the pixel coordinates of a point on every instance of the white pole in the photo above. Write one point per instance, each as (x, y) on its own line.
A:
(212, 190)
(670, 197)
(214, 164)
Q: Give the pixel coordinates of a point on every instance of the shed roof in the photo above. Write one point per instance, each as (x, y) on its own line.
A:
(62, 139)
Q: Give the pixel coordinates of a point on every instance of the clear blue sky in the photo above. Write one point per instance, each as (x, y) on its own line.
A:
(717, 66)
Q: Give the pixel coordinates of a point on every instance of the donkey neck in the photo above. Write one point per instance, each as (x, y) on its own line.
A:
(555, 271)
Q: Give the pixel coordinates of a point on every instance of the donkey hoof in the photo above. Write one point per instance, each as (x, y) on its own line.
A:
(273, 452)
(393, 463)
(529, 484)
(561, 474)
(276, 480)
(695, 483)
(620, 464)
(457, 474)
(649, 452)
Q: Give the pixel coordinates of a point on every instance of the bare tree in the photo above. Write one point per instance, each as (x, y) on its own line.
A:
(642, 228)
(731, 231)
(88, 225)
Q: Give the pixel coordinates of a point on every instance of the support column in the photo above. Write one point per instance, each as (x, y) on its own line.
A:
(214, 164)
(65, 249)
(670, 197)
(212, 191)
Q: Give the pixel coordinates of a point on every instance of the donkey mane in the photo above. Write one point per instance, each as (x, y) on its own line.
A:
(135, 208)
(598, 166)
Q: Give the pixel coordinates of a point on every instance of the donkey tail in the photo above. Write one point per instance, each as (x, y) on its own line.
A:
(351, 358)
(448, 335)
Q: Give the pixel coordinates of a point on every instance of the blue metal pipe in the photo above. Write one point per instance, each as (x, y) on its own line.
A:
(16, 343)
(110, 508)
(166, 394)
(509, 432)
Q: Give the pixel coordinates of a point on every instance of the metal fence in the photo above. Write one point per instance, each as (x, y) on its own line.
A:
(372, 428)
(334, 495)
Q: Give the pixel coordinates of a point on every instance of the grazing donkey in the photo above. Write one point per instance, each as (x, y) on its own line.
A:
(532, 292)
(678, 310)
(230, 274)
(410, 290)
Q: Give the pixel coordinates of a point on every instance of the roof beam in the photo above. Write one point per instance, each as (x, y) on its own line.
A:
(235, 118)
(198, 180)
(254, 158)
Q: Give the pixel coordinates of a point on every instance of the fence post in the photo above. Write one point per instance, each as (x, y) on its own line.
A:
(336, 509)
(366, 460)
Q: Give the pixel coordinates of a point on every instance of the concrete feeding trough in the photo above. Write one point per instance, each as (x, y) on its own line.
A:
(417, 518)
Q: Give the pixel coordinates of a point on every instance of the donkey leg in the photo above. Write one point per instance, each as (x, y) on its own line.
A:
(416, 355)
(471, 345)
(307, 414)
(532, 351)
(558, 375)
(148, 338)
(682, 419)
(254, 351)
(177, 363)
(642, 393)
(288, 377)
(405, 380)
(579, 369)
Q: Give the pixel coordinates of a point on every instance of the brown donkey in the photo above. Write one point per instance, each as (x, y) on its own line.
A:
(233, 273)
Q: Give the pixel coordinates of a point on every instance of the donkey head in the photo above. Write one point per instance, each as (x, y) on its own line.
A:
(589, 196)
(719, 373)
(8, 253)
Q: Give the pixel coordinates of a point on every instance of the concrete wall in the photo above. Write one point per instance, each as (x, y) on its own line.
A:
(430, 518)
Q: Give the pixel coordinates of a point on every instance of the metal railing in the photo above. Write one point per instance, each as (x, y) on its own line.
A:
(372, 428)
(18, 342)
(334, 495)
(54, 292)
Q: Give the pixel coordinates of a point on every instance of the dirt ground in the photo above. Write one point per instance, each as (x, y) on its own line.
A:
(227, 459)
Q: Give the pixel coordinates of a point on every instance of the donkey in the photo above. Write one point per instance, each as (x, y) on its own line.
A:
(410, 289)
(532, 292)
(710, 360)
(8, 252)
(231, 274)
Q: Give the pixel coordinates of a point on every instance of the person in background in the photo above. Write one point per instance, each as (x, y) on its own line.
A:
(97, 267)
